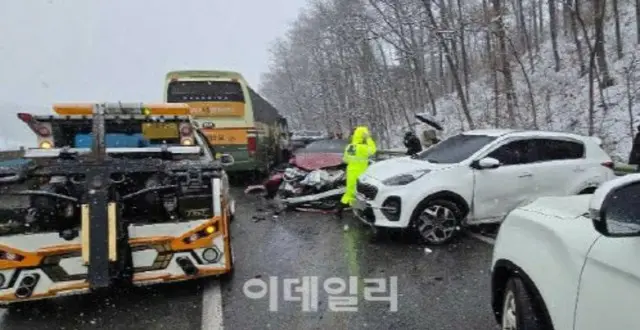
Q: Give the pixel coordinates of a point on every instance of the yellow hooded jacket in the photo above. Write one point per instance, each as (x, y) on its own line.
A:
(356, 156)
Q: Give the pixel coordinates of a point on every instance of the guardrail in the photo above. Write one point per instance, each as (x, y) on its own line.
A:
(619, 168)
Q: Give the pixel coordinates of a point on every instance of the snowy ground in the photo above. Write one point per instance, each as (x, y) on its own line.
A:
(562, 98)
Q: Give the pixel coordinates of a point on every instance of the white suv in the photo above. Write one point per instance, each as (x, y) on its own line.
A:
(571, 262)
(478, 176)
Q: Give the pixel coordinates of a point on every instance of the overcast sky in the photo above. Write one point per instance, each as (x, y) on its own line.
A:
(83, 50)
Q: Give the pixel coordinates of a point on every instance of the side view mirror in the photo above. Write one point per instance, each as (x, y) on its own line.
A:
(485, 163)
(227, 160)
(614, 209)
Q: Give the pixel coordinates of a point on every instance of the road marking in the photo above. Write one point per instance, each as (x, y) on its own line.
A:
(212, 306)
(485, 239)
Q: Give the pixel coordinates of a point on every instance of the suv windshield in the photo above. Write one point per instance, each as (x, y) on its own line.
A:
(455, 149)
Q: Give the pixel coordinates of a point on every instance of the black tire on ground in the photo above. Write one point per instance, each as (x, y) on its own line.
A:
(441, 205)
(527, 313)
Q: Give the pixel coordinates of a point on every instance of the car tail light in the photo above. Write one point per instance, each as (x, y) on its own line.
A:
(252, 145)
(608, 164)
(4, 255)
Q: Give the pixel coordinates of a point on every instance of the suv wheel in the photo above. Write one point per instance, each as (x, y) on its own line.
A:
(437, 221)
(518, 308)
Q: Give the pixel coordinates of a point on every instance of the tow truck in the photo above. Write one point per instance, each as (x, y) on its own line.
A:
(115, 194)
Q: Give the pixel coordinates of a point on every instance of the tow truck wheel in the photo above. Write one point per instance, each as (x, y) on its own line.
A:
(436, 221)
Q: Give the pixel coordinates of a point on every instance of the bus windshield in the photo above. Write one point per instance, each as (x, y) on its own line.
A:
(202, 91)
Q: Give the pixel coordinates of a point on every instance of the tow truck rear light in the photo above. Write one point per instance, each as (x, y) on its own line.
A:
(608, 164)
(186, 135)
(4, 255)
(43, 131)
(252, 145)
(25, 117)
(200, 234)
(185, 130)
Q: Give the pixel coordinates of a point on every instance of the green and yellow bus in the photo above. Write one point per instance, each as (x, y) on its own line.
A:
(233, 116)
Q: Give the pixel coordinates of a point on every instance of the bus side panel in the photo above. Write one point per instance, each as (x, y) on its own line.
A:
(233, 141)
(266, 117)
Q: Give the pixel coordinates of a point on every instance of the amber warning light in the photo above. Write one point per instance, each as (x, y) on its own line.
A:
(158, 109)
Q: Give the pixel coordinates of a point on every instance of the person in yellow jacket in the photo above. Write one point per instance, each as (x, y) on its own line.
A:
(356, 156)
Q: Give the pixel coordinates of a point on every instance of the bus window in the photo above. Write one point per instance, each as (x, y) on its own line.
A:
(194, 91)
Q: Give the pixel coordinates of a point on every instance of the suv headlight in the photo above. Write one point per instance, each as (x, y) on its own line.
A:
(403, 179)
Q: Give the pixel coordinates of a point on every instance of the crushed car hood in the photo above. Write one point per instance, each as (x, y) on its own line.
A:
(314, 161)
(396, 166)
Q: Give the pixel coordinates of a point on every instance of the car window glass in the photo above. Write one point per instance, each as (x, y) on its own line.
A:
(623, 211)
(550, 149)
(514, 153)
(455, 149)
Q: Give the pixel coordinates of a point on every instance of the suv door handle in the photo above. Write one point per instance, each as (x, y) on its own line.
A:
(578, 169)
(525, 175)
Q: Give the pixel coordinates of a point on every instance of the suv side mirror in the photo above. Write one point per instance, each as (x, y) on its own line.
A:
(485, 163)
(614, 207)
(227, 160)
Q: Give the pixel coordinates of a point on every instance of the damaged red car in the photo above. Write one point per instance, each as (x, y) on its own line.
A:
(314, 177)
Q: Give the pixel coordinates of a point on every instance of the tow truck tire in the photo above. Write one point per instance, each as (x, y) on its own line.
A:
(452, 211)
(519, 308)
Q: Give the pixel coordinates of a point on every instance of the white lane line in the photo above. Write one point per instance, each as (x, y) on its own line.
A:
(212, 318)
(485, 239)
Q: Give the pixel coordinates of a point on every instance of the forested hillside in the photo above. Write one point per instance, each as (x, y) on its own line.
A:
(569, 65)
